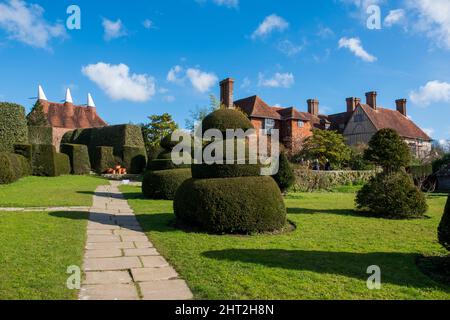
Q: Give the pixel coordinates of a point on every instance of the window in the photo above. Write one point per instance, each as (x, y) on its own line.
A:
(359, 118)
(269, 125)
(300, 123)
(327, 126)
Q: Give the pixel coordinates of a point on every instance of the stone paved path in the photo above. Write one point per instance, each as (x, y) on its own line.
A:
(120, 263)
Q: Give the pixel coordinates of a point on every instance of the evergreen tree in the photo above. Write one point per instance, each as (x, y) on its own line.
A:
(444, 227)
(37, 116)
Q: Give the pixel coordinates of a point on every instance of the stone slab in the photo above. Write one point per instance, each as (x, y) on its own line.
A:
(109, 245)
(143, 244)
(111, 238)
(111, 264)
(107, 277)
(165, 290)
(154, 262)
(141, 252)
(153, 274)
(134, 238)
(104, 253)
(109, 292)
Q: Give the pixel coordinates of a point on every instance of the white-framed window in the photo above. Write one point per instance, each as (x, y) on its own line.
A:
(300, 124)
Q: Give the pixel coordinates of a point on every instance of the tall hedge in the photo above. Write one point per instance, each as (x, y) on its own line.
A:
(134, 159)
(103, 159)
(44, 160)
(24, 150)
(40, 135)
(79, 158)
(13, 167)
(118, 137)
(13, 126)
(62, 164)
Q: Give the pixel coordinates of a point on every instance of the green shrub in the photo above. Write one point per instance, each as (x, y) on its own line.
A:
(224, 119)
(104, 159)
(13, 167)
(62, 164)
(164, 184)
(388, 150)
(234, 205)
(441, 163)
(79, 158)
(134, 159)
(44, 160)
(7, 172)
(421, 171)
(392, 195)
(24, 150)
(444, 227)
(159, 165)
(285, 176)
(310, 181)
(13, 126)
(37, 116)
(205, 171)
(40, 135)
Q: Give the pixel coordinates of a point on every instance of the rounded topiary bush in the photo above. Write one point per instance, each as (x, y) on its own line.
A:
(444, 227)
(285, 177)
(241, 205)
(392, 195)
(164, 184)
(204, 171)
(224, 119)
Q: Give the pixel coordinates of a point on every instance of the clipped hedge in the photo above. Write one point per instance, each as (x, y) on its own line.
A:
(309, 181)
(40, 135)
(444, 227)
(134, 159)
(79, 158)
(204, 171)
(62, 164)
(242, 205)
(164, 184)
(13, 124)
(284, 178)
(104, 159)
(13, 167)
(224, 119)
(24, 150)
(44, 160)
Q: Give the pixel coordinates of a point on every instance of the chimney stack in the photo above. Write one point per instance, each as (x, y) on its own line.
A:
(313, 107)
(226, 92)
(352, 103)
(371, 99)
(401, 106)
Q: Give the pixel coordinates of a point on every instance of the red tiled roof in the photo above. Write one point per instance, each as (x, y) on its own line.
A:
(256, 107)
(386, 118)
(72, 117)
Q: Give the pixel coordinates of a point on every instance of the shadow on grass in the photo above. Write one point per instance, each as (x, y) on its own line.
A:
(396, 268)
(70, 215)
(342, 212)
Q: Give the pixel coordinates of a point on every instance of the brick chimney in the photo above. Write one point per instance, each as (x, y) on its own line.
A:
(313, 107)
(352, 103)
(371, 99)
(226, 92)
(401, 106)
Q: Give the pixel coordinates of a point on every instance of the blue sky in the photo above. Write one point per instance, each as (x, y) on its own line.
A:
(284, 51)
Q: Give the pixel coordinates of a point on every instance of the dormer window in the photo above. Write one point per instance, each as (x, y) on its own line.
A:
(300, 123)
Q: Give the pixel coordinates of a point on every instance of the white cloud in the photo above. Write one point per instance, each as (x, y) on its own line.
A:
(174, 74)
(325, 32)
(279, 80)
(429, 131)
(289, 48)
(169, 98)
(270, 24)
(394, 17)
(227, 3)
(433, 18)
(246, 83)
(148, 24)
(201, 81)
(355, 46)
(25, 23)
(432, 92)
(113, 29)
(117, 82)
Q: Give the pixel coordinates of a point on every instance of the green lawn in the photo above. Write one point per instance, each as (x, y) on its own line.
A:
(325, 258)
(35, 251)
(50, 192)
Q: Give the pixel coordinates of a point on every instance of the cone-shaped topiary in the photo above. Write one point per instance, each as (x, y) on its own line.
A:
(392, 195)
(444, 227)
(285, 177)
(230, 198)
